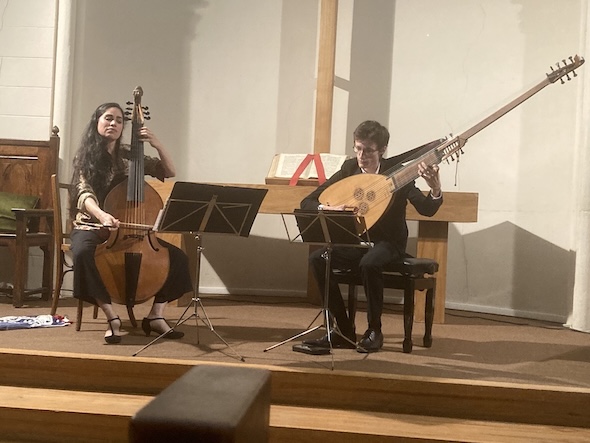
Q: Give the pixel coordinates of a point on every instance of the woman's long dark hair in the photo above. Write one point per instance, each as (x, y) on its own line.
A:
(92, 161)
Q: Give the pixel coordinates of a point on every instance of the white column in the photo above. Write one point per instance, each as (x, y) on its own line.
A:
(63, 79)
(579, 318)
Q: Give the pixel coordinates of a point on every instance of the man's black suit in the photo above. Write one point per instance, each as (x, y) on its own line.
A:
(389, 235)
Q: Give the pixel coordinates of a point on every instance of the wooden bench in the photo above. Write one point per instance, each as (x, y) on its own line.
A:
(329, 406)
(25, 170)
(61, 415)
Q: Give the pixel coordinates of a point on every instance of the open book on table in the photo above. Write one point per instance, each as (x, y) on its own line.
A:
(285, 165)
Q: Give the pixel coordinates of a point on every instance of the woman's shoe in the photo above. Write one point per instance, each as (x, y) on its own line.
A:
(146, 325)
(113, 338)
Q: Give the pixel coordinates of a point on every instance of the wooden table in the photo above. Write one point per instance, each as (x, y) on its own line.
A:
(433, 232)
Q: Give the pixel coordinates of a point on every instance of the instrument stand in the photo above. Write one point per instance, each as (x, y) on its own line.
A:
(323, 228)
(195, 303)
(220, 209)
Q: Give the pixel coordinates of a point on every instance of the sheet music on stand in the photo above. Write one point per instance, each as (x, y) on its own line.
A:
(334, 227)
(199, 208)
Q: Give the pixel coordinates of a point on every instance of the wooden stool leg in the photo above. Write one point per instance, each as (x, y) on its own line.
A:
(20, 275)
(59, 278)
(132, 317)
(429, 317)
(408, 315)
(79, 315)
(47, 270)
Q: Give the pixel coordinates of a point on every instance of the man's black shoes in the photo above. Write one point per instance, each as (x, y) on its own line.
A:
(371, 341)
(338, 342)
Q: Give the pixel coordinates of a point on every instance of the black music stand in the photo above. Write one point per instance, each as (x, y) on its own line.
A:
(326, 228)
(197, 208)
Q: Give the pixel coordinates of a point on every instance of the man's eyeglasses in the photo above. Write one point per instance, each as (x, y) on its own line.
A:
(367, 151)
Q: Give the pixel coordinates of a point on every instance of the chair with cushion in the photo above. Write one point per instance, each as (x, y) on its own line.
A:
(26, 209)
(410, 275)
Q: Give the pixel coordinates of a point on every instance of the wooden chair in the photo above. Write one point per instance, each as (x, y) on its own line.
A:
(25, 170)
(411, 274)
(64, 264)
(62, 229)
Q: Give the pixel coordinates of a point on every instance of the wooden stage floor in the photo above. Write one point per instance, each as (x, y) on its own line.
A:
(469, 346)
(485, 379)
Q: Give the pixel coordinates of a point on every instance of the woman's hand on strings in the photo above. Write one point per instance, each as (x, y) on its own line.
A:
(147, 135)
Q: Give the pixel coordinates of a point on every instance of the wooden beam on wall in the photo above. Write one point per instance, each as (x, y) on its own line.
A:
(325, 79)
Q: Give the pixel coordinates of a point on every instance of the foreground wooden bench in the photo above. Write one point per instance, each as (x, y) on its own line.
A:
(51, 415)
(52, 396)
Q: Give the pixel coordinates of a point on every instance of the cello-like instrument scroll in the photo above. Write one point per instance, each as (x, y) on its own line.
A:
(132, 263)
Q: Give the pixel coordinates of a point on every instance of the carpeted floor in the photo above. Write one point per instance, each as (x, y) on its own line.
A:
(467, 346)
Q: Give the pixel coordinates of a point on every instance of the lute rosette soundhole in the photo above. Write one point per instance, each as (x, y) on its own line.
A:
(371, 195)
(359, 194)
(363, 208)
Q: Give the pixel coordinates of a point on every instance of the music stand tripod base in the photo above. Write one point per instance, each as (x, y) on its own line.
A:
(196, 303)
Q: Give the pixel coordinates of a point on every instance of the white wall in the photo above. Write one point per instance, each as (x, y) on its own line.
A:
(453, 67)
(217, 76)
(26, 68)
(230, 84)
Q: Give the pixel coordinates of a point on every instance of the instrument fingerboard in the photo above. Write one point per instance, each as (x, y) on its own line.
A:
(409, 171)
